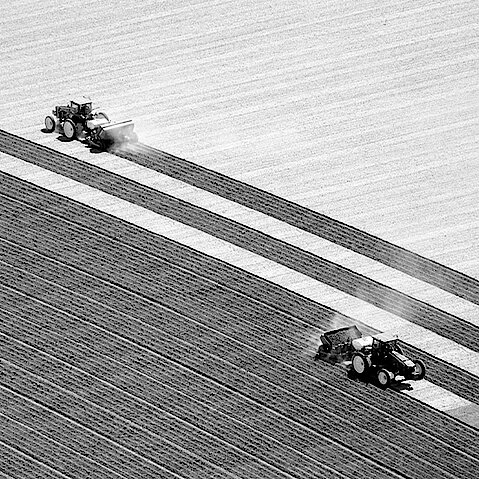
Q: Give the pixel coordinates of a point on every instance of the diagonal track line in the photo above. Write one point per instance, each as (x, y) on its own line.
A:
(348, 281)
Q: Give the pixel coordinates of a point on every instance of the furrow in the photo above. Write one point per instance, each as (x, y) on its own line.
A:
(20, 465)
(159, 455)
(51, 453)
(329, 273)
(85, 385)
(195, 289)
(207, 365)
(270, 330)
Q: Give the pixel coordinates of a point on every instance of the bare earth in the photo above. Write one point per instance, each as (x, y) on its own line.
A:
(143, 337)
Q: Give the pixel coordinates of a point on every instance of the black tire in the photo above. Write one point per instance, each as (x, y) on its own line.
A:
(361, 364)
(419, 370)
(69, 129)
(384, 378)
(50, 124)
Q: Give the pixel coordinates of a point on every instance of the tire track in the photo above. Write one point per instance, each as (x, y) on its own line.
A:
(181, 357)
(23, 466)
(308, 220)
(317, 268)
(457, 380)
(276, 330)
(51, 453)
(127, 381)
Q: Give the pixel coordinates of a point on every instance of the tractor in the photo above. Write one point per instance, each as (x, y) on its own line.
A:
(379, 355)
(79, 120)
(72, 119)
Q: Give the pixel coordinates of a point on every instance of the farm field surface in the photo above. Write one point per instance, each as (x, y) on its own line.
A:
(302, 166)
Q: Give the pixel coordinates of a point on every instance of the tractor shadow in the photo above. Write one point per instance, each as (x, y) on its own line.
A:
(63, 139)
(368, 380)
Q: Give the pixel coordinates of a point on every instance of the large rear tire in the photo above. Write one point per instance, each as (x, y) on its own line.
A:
(384, 378)
(361, 363)
(50, 124)
(419, 370)
(69, 129)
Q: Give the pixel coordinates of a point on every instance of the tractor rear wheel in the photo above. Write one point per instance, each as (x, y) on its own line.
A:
(69, 129)
(361, 363)
(50, 124)
(419, 370)
(384, 378)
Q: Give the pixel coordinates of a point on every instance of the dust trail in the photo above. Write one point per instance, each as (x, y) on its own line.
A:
(311, 336)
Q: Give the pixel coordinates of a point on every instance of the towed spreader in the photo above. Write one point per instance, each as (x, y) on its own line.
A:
(104, 136)
(379, 355)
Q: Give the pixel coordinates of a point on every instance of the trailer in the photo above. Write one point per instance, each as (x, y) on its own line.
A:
(105, 135)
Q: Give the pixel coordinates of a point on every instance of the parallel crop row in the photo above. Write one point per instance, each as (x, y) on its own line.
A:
(172, 286)
(227, 373)
(444, 374)
(53, 454)
(318, 268)
(311, 221)
(18, 465)
(142, 397)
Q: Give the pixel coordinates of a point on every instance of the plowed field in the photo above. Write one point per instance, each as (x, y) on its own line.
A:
(128, 352)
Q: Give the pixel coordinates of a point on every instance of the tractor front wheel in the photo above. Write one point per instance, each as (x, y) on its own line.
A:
(361, 363)
(419, 370)
(50, 124)
(69, 129)
(384, 378)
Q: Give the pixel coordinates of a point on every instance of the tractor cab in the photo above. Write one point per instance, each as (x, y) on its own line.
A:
(81, 108)
(383, 345)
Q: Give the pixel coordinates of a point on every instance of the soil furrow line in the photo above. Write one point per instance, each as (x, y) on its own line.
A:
(273, 329)
(85, 384)
(217, 295)
(148, 413)
(374, 450)
(153, 295)
(161, 456)
(23, 466)
(207, 366)
(300, 442)
(51, 453)
(226, 321)
(84, 440)
(317, 268)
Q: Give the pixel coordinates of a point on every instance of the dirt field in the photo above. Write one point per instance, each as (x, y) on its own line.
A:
(302, 166)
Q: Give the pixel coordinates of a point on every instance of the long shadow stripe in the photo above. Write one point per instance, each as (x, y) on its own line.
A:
(306, 219)
(379, 295)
